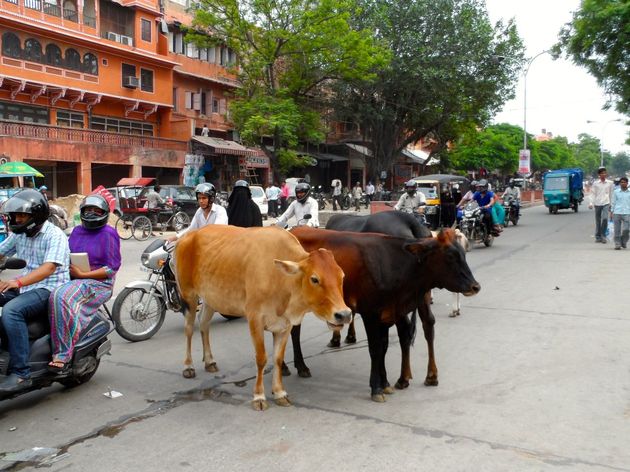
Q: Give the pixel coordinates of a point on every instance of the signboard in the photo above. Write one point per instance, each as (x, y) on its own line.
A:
(258, 161)
(524, 162)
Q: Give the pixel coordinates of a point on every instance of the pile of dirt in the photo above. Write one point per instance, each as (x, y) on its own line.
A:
(71, 204)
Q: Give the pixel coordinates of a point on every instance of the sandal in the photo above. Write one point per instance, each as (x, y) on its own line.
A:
(58, 367)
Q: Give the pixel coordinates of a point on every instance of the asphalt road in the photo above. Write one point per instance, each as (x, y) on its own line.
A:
(534, 375)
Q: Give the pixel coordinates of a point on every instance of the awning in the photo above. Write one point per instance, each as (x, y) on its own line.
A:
(135, 181)
(419, 157)
(222, 146)
(322, 156)
(360, 149)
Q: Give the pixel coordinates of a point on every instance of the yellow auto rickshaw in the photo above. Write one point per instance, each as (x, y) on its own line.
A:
(442, 192)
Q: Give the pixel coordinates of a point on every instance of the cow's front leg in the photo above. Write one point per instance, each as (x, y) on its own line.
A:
(204, 326)
(335, 340)
(376, 355)
(257, 332)
(279, 346)
(405, 333)
(189, 326)
(428, 322)
(456, 306)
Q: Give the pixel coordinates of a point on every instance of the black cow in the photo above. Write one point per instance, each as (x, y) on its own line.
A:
(385, 278)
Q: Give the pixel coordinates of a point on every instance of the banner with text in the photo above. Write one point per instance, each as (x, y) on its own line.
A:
(524, 162)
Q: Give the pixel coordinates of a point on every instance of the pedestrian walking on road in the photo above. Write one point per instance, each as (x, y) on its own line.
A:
(369, 190)
(620, 211)
(357, 193)
(336, 194)
(601, 197)
(284, 196)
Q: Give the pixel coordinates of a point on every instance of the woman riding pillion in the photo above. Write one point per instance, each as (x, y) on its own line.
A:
(73, 305)
(412, 201)
(486, 199)
(302, 206)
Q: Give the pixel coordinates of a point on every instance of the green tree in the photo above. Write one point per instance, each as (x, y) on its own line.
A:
(586, 152)
(451, 70)
(620, 164)
(289, 52)
(598, 38)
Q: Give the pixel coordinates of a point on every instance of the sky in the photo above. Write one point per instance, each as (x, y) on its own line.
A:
(561, 97)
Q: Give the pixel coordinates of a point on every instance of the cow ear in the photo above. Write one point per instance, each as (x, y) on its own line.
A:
(288, 267)
(418, 249)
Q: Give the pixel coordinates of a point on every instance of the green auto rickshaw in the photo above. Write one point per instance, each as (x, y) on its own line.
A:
(563, 189)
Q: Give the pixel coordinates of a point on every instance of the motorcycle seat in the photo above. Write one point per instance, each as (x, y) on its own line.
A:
(38, 328)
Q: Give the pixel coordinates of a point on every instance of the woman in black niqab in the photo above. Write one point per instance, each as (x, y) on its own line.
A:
(242, 210)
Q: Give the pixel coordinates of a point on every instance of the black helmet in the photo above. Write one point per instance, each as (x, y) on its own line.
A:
(91, 219)
(27, 201)
(304, 189)
(206, 189)
(511, 183)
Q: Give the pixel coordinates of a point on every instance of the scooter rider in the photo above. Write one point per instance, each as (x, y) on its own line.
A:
(45, 249)
(485, 199)
(303, 205)
(207, 213)
(513, 192)
(411, 201)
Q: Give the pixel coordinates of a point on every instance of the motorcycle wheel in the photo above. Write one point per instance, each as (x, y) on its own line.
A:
(129, 320)
(345, 203)
(321, 204)
(75, 381)
(180, 221)
(488, 240)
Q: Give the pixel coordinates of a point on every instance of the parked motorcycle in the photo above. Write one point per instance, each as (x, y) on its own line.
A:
(472, 225)
(92, 345)
(365, 201)
(319, 195)
(511, 207)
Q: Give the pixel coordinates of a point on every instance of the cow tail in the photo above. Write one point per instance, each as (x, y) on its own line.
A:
(414, 326)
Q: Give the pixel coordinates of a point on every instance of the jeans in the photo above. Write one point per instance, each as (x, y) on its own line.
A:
(622, 229)
(336, 201)
(17, 310)
(601, 221)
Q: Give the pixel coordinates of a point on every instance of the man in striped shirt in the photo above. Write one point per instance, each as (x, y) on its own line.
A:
(44, 247)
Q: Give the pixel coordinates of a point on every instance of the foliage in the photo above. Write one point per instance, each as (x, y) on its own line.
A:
(598, 38)
(586, 152)
(619, 164)
(288, 52)
(451, 70)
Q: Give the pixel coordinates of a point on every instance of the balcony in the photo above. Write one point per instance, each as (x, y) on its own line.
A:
(66, 11)
(79, 135)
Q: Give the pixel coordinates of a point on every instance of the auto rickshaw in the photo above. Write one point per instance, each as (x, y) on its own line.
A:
(443, 192)
(563, 189)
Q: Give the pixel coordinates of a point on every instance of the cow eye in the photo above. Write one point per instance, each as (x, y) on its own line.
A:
(314, 279)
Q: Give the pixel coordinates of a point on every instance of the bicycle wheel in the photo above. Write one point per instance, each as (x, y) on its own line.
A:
(136, 315)
(123, 228)
(180, 221)
(141, 228)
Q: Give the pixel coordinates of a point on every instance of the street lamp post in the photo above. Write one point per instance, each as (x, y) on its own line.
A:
(601, 138)
(529, 63)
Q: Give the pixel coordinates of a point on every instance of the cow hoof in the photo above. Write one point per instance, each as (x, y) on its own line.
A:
(285, 370)
(284, 401)
(260, 405)
(350, 340)
(212, 367)
(402, 384)
(388, 390)
(304, 373)
(378, 398)
(333, 343)
(454, 314)
(189, 373)
(431, 382)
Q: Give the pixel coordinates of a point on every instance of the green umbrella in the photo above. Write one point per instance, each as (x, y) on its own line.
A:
(18, 169)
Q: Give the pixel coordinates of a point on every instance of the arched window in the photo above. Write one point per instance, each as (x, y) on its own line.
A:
(90, 64)
(73, 59)
(53, 55)
(11, 46)
(32, 50)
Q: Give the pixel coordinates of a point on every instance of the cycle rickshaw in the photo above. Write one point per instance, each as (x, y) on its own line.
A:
(136, 219)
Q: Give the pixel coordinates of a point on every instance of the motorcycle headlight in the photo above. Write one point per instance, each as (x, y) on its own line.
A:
(430, 210)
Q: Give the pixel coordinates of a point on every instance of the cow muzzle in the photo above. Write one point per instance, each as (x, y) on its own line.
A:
(474, 290)
(341, 317)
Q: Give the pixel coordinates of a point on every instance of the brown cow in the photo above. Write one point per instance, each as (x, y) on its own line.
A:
(385, 279)
(264, 275)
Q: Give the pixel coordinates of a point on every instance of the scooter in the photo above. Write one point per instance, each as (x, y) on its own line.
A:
(91, 347)
(473, 226)
(511, 207)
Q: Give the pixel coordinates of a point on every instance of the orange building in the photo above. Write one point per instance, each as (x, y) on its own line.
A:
(95, 90)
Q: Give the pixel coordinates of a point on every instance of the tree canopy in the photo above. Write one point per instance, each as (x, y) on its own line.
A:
(450, 70)
(598, 38)
(288, 53)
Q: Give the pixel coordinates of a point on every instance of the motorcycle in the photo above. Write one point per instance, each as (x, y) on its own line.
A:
(473, 226)
(365, 201)
(93, 344)
(320, 197)
(140, 308)
(511, 207)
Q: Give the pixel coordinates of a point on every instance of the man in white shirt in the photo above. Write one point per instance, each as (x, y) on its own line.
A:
(154, 199)
(601, 197)
(411, 201)
(301, 206)
(207, 213)
(273, 195)
(369, 190)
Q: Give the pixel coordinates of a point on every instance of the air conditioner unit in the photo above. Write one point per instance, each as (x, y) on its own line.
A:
(128, 40)
(113, 36)
(131, 82)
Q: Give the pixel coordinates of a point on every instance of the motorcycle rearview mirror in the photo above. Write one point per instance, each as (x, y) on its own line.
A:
(13, 263)
(308, 216)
